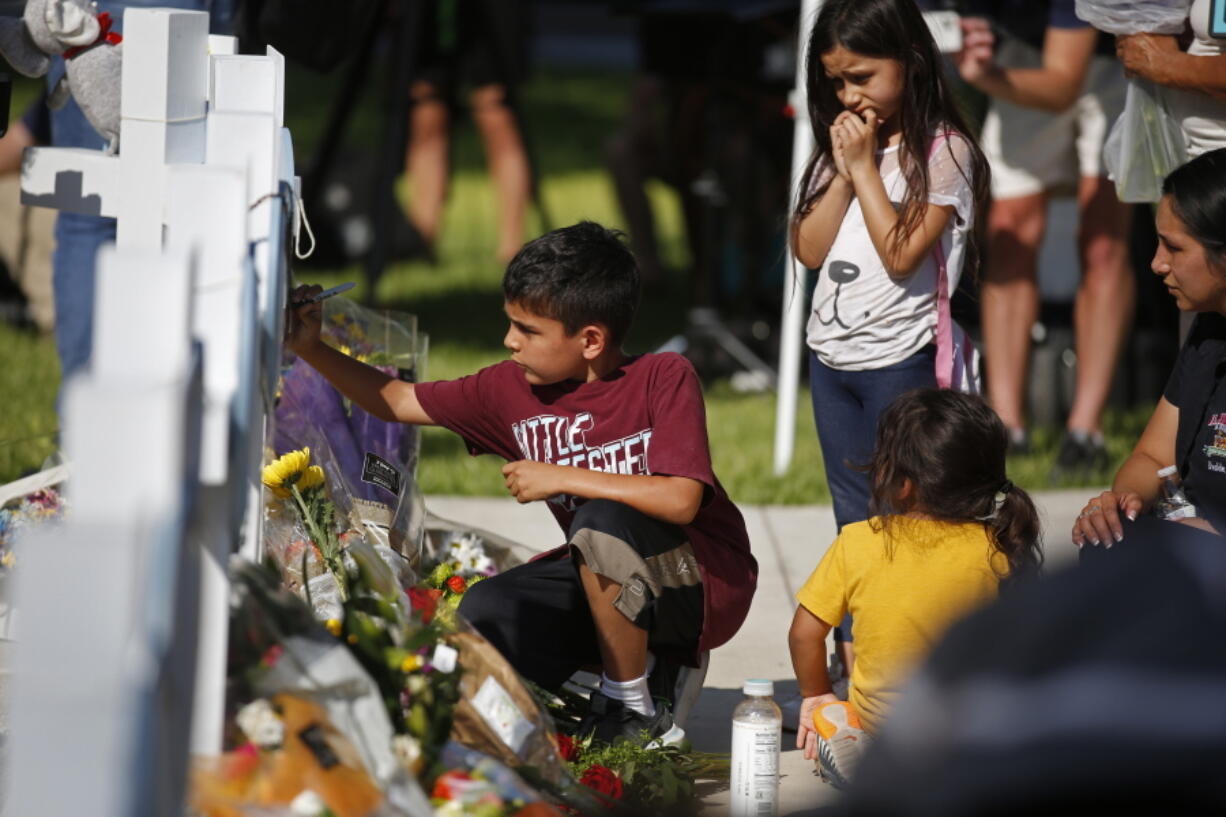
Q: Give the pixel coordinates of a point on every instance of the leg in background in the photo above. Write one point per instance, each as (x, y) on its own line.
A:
(1105, 300)
(508, 165)
(427, 159)
(1010, 304)
(629, 154)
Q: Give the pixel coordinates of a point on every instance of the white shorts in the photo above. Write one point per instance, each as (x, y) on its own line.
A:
(1031, 150)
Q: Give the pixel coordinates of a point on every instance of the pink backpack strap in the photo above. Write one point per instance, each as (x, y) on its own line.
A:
(945, 321)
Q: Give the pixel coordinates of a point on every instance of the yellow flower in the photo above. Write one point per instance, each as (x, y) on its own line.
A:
(9, 559)
(334, 626)
(411, 663)
(283, 472)
(313, 477)
(338, 318)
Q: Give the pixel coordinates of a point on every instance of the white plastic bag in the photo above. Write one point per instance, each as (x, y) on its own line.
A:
(1135, 16)
(1144, 146)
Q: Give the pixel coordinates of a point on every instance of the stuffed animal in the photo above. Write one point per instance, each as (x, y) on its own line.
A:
(92, 53)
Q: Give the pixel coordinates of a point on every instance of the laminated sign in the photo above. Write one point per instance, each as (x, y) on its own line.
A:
(378, 471)
(500, 713)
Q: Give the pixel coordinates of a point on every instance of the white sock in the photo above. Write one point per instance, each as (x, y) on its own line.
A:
(633, 694)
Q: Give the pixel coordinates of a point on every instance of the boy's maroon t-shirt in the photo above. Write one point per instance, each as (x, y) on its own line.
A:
(646, 417)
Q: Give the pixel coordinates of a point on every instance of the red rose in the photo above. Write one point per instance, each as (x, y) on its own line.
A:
(567, 748)
(603, 780)
(457, 585)
(424, 600)
(447, 785)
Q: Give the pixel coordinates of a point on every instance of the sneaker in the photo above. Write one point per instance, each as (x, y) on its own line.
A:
(1082, 457)
(609, 721)
(840, 742)
(1019, 442)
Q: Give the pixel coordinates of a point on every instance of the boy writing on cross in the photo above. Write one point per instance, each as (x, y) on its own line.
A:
(656, 567)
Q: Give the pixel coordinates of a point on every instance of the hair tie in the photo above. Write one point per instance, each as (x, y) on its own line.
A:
(998, 499)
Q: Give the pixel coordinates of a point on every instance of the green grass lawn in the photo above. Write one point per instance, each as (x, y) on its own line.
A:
(458, 304)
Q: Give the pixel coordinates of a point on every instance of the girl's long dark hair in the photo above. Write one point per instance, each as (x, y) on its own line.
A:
(951, 446)
(892, 29)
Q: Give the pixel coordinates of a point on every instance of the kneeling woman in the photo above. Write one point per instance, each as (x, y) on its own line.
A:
(1188, 427)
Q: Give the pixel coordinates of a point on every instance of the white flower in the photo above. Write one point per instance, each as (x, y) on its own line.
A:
(308, 804)
(467, 554)
(261, 725)
(407, 750)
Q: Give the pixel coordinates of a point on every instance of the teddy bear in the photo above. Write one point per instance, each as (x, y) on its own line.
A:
(91, 50)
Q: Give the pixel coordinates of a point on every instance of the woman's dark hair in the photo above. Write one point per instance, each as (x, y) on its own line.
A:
(1198, 198)
(578, 275)
(951, 447)
(891, 29)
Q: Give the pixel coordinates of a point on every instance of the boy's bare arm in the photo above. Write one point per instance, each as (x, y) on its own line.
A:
(675, 500)
(379, 393)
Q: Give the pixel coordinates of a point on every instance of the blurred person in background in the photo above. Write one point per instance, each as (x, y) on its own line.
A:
(1195, 77)
(26, 232)
(1055, 90)
(480, 45)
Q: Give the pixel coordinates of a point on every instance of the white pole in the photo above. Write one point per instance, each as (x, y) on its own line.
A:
(795, 306)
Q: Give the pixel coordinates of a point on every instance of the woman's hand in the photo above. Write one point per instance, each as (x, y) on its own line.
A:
(1146, 55)
(859, 140)
(304, 320)
(1099, 521)
(806, 735)
(976, 59)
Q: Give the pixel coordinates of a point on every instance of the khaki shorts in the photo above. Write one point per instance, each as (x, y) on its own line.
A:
(1031, 151)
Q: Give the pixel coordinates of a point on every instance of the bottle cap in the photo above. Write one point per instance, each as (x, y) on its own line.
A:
(758, 686)
(1168, 471)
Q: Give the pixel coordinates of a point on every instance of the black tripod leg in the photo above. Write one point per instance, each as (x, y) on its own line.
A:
(395, 135)
(342, 109)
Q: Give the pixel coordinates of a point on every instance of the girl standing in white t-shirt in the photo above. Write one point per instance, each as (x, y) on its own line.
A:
(891, 196)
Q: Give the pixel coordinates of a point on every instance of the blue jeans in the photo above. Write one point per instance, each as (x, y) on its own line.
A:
(846, 406)
(78, 237)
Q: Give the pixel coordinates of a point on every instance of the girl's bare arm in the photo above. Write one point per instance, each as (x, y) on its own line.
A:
(813, 236)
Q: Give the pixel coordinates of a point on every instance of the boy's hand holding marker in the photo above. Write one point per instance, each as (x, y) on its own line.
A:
(305, 319)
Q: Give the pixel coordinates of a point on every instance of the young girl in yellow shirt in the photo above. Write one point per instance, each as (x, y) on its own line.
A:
(947, 529)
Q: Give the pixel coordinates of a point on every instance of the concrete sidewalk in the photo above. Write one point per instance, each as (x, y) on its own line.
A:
(788, 542)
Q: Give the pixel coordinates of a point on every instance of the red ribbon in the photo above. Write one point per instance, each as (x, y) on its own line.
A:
(105, 35)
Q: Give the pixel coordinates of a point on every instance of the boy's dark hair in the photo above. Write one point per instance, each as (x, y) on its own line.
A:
(578, 275)
(892, 29)
(951, 446)
(1198, 198)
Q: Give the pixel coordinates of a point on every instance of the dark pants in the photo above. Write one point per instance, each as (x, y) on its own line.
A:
(846, 406)
(538, 615)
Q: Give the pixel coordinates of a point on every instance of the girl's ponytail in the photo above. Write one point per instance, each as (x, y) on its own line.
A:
(1014, 524)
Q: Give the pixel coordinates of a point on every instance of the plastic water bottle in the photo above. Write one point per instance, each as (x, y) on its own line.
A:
(1173, 504)
(757, 726)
